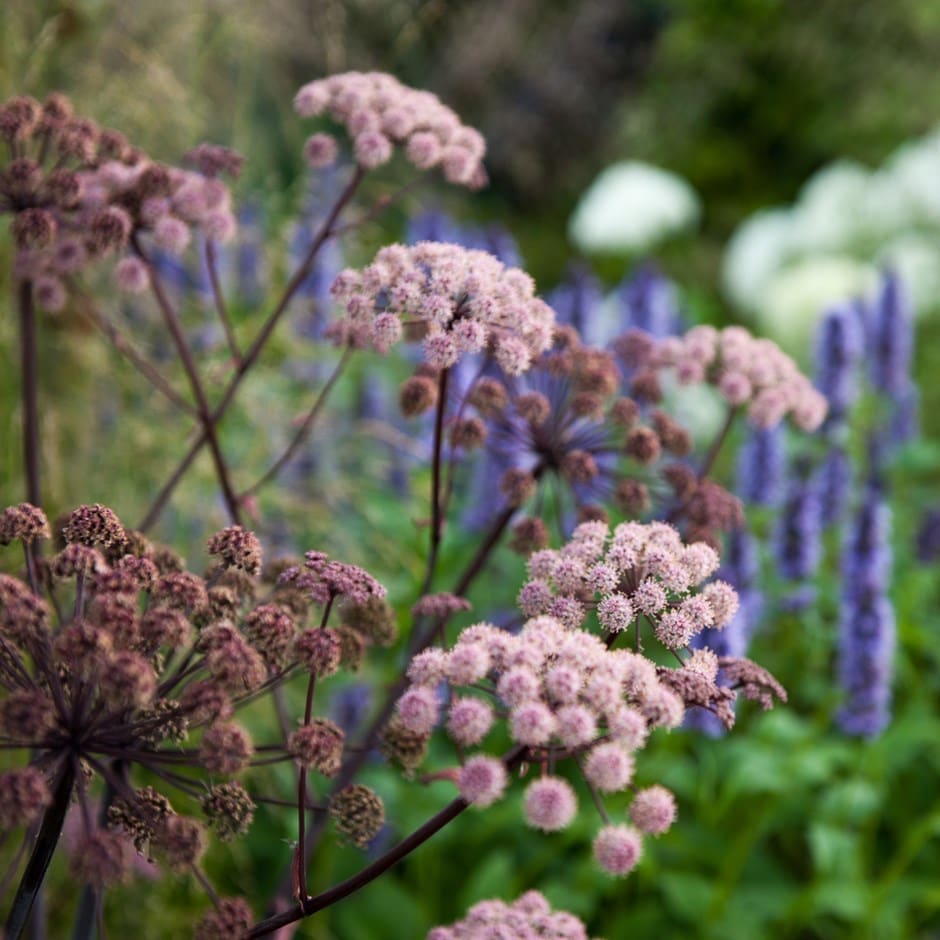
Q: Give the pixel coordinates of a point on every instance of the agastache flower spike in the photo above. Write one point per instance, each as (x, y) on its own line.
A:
(839, 347)
(762, 465)
(798, 545)
(866, 622)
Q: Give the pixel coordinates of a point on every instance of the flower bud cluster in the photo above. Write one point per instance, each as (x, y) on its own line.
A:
(640, 571)
(460, 300)
(564, 692)
(78, 192)
(747, 371)
(527, 918)
(129, 655)
(379, 113)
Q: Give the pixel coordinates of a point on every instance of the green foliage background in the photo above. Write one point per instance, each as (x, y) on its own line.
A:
(787, 829)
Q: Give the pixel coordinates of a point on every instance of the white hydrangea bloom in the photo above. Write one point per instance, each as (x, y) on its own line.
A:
(631, 207)
(797, 295)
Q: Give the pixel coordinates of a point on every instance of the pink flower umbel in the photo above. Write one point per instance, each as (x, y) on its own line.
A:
(462, 300)
(482, 780)
(617, 849)
(380, 114)
(550, 804)
(530, 916)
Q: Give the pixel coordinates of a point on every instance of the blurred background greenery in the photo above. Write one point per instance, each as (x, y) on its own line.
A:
(787, 829)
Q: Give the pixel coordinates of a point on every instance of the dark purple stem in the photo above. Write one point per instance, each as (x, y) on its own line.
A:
(213, 268)
(29, 366)
(304, 430)
(381, 865)
(195, 382)
(327, 230)
(45, 846)
(437, 518)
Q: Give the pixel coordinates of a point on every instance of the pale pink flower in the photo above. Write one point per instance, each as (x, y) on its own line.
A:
(550, 804)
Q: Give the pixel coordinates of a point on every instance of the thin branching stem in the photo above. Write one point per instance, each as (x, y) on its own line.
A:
(327, 230)
(139, 361)
(437, 518)
(218, 298)
(43, 849)
(29, 377)
(382, 864)
(192, 373)
(303, 431)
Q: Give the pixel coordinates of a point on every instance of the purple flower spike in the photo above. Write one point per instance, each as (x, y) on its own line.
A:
(866, 624)
(839, 345)
(648, 302)
(798, 532)
(433, 225)
(577, 301)
(762, 465)
(927, 546)
(250, 258)
(891, 338)
(835, 484)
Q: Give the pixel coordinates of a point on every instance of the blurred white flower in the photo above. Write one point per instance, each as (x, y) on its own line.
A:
(631, 207)
(698, 408)
(916, 168)
(757, 250)
(829, 211)
(786, 265)
(796, 296)
(915, 257)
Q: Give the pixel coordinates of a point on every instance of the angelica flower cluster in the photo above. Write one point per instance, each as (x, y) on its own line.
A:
(460, 300)
(527, 918)
(746, 371)
(380, 113)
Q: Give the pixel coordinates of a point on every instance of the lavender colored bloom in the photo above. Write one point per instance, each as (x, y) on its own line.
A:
(171, 271)
(741, 569)
(891, 338)
(839, 344)
(250, 259)
(866, 623)
(798, 545)
(835, 484)
(577, 301)
(903, 424)
(762, 465)
(314, 293)
(927, 544)
(499, 241)
(350, 704)
(648, 302)
(432, 225)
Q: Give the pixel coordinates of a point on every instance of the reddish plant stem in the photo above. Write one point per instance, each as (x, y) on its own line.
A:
(425, 636)
(717, 444)
(709, 461)
(29, 373)
(219, 299)
(195, 382)
(146, 368)
(43, 849)
(304, 430)
(300, 854)
(437, 517)
(326, 231)
(381, 865)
